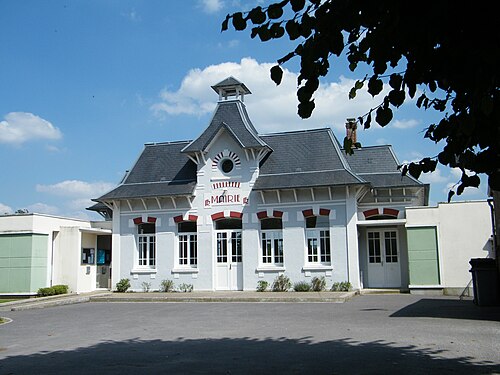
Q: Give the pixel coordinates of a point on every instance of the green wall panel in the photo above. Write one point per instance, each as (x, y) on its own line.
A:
(423, 256)
(23, 262)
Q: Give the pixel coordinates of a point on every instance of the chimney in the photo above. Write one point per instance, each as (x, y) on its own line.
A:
(351, 127)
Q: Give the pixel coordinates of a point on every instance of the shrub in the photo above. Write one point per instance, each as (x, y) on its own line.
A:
(145, 286)
(186, 288)
(318, 284)
(60, 289)
(122, 285)
(167, 286)
(262, 285)
(44, 292)
(302, 286)
(281, 284)
(343, 286)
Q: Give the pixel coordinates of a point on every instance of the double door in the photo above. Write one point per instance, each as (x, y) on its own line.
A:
(229, 260)
(384, 269)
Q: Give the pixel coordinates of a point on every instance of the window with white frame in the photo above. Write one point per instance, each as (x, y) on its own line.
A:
(146, 242)
(318, 240)
(188, 244)
(272, 241)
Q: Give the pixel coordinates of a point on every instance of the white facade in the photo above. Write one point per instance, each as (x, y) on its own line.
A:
(233, 208)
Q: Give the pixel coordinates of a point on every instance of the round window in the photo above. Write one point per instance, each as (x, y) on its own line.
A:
(227, 165)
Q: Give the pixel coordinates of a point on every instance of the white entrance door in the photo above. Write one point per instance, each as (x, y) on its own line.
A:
(229, 265)
(384, 269)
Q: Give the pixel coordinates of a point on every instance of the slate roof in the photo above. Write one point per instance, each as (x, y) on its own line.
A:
(379, 166)
(232, 116)
(161, 170)
(304, 159)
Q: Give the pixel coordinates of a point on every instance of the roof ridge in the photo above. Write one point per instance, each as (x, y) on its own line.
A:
(295, 131)
(165, 143)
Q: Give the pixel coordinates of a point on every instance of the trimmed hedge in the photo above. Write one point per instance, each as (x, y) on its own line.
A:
(52, 290)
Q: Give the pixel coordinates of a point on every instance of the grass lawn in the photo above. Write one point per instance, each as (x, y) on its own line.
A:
(6, 300)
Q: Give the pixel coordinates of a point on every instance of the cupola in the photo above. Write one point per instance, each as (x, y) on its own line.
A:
(231, 88)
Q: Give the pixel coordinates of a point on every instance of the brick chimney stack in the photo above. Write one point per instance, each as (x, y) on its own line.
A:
(351, 127)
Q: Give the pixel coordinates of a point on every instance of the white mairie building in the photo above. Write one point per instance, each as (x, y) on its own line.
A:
(233, 207)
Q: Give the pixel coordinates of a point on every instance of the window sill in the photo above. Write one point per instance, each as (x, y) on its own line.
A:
(271, 269)
(185, 270)
(143, 270)
(317, 267)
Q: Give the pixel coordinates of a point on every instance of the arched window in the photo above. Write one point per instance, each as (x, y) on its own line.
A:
(146, 243)
(318, 238)
(271, 229)
(188, 244)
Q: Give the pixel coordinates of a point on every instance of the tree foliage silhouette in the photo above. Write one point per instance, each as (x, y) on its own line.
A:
(443, 55)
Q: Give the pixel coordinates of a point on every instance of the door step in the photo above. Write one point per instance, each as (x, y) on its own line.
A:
(382, 291)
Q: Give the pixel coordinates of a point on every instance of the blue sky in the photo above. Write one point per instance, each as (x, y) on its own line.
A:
(85, 83)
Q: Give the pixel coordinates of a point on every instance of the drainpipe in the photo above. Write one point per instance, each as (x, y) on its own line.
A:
(493, 225)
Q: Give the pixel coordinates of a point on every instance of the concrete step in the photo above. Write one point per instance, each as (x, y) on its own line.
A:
(332, 297)
(382, 291)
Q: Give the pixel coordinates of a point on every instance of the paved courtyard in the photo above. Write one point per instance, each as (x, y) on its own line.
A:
(370, 334)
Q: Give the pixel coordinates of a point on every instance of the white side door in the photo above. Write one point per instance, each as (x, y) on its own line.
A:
(384, 269)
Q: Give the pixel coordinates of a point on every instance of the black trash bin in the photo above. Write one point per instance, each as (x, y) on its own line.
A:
(484, 281)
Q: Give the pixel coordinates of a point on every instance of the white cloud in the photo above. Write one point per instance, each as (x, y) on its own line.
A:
(20, 127)
(271, 108)
(76, 188)
(132, 16)
(211, 6)
(42, 208)
(405, 124)
(74, 197)
(434, 177)
(4, 209)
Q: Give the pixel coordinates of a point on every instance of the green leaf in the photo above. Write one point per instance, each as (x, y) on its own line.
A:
(304, 94)
(336, 42)
(292, 28)
(297, 5)
(395, 81)
(348, 146)
(277, 31)
(352, 93)
(432, 86)
(375, 85)
(368, 120)
(274, 11)
(383, 116)
(415, 170)
(276, 74)
(225, 24)
(359, 85)
(239, 22)
(257, 16)
(305, 109)
(264, 33)
(451, 193)
(396, 97)
(420, 100)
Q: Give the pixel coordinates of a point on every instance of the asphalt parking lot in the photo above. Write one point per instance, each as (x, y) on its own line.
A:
(371, 334)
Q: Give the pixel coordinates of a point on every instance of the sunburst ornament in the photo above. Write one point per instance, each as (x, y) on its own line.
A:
(226, 161)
